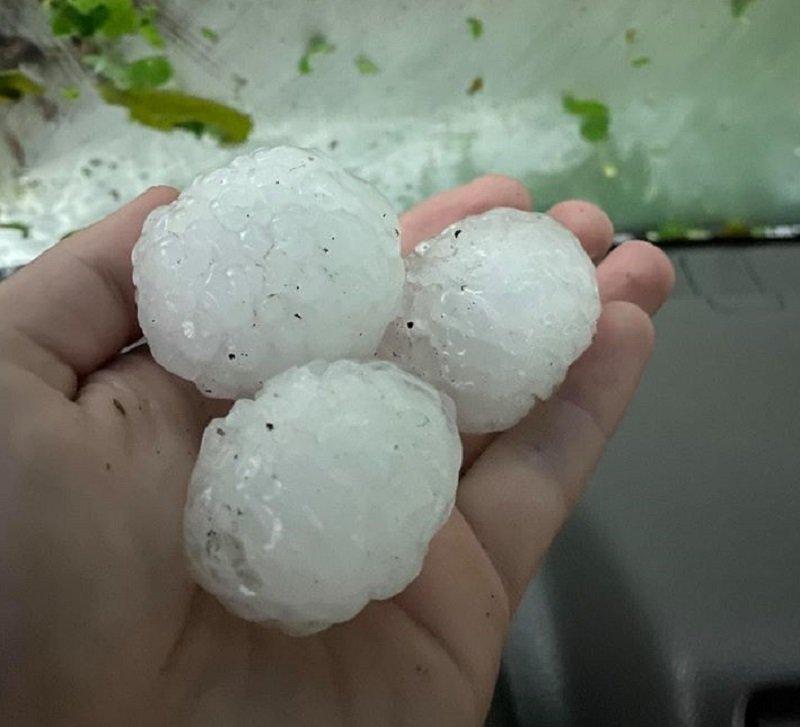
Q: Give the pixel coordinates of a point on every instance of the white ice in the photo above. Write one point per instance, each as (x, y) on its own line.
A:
(321, 494)
(496, 308)
(275, 260)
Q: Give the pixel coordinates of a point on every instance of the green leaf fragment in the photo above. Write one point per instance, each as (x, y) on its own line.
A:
(475, 27)
(123, 18)
(640, 61)
(151, 35)
(672, 230)
(210, 34)
(87, 18)
(595, 117)
(149, 72)
(15, 84)
(317, 45)
(167, 110)
(365, 65)
(70, 93)
(147, 26)
(198, 128)
(84, 18)
(67, 20)
(739, 6)
(22, 227)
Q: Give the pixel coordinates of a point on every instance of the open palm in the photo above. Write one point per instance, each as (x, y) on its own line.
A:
(99, 622)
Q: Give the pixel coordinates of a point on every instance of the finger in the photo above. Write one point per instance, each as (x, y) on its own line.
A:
(519, 492)
(588, 223)
(458, 577)
(430, 217)
(638, 272)
(76, 301)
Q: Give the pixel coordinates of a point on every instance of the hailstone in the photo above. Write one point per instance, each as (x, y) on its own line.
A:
(275, 260)
(322, 493)
(496, 308)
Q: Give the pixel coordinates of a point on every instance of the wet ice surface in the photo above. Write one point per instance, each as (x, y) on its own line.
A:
(321, 494)
(496, 308)
(277, 259)
(324, 491)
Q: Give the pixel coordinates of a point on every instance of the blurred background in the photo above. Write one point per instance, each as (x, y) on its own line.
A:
(680, 118)
(673, 596)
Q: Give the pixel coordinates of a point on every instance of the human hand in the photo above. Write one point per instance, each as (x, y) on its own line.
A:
(99, 621)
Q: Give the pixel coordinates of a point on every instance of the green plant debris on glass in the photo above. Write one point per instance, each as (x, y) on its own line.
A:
(136, 85)
(594, 115)
(475, 27)
(147, 26)
(317, 45)
(640, 61)
(475, 86)
(20, 226)
(672, 230)
(84, 18)
(739, 6)
(630, 36)
(123, 17)
(366, 66)
(210, 34)
(193, 127)
(15, 84)
(109, 18)
(109, 67)
(66, 20)
(70, 93)
(167, 110)
(735, 228)
(149, 72)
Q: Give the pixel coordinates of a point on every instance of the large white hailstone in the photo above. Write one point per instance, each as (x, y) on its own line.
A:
(278, 259)
(322, 493)
(496, 308)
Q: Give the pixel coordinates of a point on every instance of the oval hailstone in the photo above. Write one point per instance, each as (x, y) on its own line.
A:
(322, 493)
(275, 260)
(496, 308)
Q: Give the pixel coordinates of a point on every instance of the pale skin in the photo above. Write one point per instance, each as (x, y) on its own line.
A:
(99, 621)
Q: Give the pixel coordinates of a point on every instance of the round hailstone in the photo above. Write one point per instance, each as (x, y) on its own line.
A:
(322, 493)
(280, 258)
(496, 308)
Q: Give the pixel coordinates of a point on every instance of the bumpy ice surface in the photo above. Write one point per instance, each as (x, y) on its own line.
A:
(278, 259)
(322, 493)
(496, 308)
